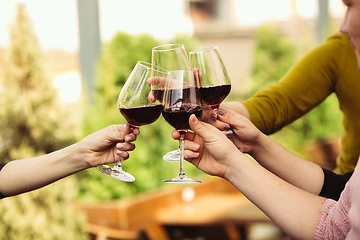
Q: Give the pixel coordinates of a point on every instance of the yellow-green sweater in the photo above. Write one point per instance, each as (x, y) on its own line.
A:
(329, 68)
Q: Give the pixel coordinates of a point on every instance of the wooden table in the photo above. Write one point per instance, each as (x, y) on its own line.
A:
(229, 210)
(216, 203)
(212, 208)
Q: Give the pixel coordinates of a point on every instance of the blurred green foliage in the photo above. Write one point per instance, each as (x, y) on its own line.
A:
(274, 56)
(118, 57)
(35, 122)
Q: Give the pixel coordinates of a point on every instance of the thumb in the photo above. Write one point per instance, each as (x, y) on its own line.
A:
(233, 119)
(118, 132)
(206, 131)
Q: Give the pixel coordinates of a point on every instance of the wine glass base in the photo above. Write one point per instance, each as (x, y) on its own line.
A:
(181, 179)
(173, 156)
(119, 175)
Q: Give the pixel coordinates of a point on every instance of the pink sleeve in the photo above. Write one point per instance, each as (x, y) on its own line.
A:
(334, 221)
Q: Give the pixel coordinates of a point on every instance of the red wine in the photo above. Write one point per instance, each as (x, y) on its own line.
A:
(179, 117)
(214, 95)
(158, 94)
(138, 116)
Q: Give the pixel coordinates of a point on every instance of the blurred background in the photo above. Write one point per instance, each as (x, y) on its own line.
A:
(63, 63)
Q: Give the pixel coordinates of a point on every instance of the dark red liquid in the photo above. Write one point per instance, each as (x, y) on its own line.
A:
(179, 117)
(214, 95)
(138, 116)
(158, 94)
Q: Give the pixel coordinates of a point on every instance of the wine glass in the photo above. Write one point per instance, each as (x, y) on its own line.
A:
(134, 104)
(171, 57)
(180, 100)
(215, 83)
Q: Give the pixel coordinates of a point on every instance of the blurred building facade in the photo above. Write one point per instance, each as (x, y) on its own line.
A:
(221, 23)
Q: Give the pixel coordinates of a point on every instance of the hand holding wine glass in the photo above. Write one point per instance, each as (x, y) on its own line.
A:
(134, 104)
(181, 99)
(215, 83)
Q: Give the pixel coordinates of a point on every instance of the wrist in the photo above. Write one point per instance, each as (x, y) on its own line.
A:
(261, 147)
(76, 155)
(233, 166)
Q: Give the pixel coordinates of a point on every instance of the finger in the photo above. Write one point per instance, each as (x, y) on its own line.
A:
(234, 119)
(117, 133)
(157, 81)
(135, 130)
(206, 131)
(192, 146)
(151, 97)
(125, 146)
(190, 155)
(124, 155)
(130, 137)
(206, 116)
(175, 135)
(222, 126)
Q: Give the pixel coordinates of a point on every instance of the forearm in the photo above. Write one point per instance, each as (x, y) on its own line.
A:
(21, 176)
(289, 167)
(237, 107)
(295, 211)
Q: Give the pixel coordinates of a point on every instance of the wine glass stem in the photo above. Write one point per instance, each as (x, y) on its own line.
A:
(117, 166)
(182, 136)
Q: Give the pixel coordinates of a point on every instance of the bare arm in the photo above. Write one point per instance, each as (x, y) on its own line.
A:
(271, 155)
(294, 210)
(237, 107)
(102, 147)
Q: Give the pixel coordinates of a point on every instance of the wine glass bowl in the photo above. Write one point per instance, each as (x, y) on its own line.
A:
(171, 57)
(180, 101)
(136, 107)
(215, 83)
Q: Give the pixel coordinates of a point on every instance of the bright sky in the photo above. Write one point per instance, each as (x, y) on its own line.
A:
(56, 22)
(258, 11)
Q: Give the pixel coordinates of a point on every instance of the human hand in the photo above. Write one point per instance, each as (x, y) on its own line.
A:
(159, 83)
(244, 134)
(107, 145)
(208, 148)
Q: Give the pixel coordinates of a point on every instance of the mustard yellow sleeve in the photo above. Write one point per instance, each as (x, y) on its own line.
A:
(304, 86)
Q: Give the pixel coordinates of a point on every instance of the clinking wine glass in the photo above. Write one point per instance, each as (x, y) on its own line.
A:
(215, 83)
(180, 101)
(171, 57)
(134, 104)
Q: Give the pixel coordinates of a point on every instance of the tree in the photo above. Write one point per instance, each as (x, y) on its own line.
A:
(34, 122)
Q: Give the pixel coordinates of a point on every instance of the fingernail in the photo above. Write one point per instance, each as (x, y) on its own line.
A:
(196, 147)
(118, 152)
(229, 133)
(213, 116)
(195, 120)
(221, 113)
(119, 146)
(227, 127)
(127, 138)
